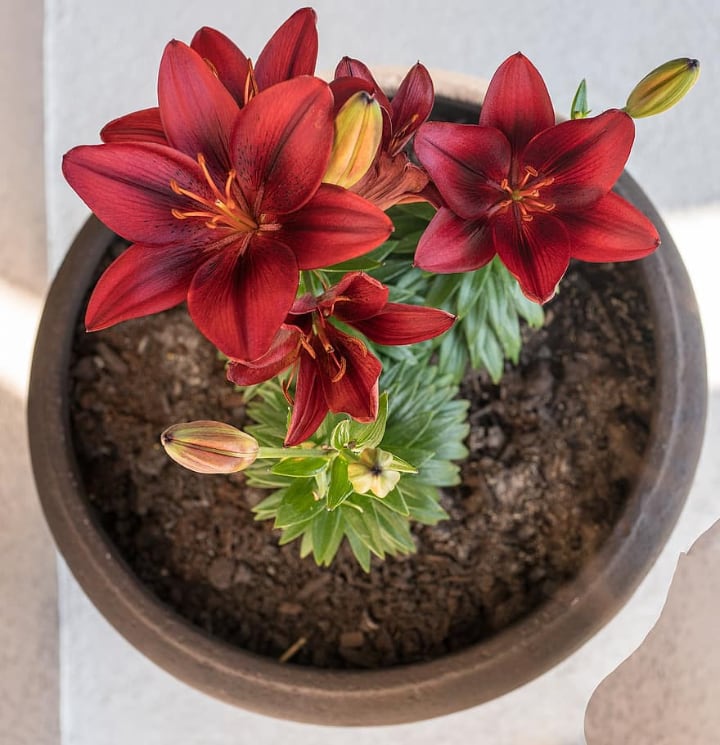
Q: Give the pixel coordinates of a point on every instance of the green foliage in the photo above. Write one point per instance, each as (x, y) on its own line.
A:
(488, 302)
(421, 422)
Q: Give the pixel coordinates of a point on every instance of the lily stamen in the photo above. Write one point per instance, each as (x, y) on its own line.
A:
(223, 210)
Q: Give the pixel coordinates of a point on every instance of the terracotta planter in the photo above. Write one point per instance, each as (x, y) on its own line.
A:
(405, 693)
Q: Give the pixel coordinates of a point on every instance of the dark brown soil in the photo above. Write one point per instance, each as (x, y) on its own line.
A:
(555, 450)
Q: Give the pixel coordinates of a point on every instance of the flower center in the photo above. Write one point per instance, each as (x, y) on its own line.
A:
(337, 362)
(220, 211)
(526, 194)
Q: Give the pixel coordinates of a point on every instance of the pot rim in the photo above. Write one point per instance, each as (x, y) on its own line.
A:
(409, 692)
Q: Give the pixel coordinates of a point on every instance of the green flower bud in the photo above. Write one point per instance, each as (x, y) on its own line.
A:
(663, 87)
(372, 473)
(358, 130)
(209, 447)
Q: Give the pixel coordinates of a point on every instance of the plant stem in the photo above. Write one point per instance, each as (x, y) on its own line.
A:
(275, 453)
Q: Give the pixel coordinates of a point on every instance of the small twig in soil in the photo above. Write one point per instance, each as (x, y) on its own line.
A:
(293, 649)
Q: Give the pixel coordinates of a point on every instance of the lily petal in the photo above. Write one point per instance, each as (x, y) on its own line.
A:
(282, 353)
(224, 57)
(141, 281)
(584, 157)
(356, 296)
(241, 295)
(291, 51)
(467, 164)
(536, 253)
(310, 406)
(127, 185)
(517, 102)
(281, 145)
(352, 68)
(611, 230)
(451, 244)
(399, 323)
(356, 391)
(393, 180)
(335, 225)
(139, 126)
(411, 105)
(197, 111)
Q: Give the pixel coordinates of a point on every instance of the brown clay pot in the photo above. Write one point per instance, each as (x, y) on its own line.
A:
(405, 693)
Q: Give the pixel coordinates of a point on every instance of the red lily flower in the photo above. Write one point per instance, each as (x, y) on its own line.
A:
(533, 192)
(290, 52)
(393, 179)
(226, 215)
(334, 371)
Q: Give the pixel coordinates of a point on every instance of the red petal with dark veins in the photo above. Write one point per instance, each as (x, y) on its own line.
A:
(239, 298)
(536, 253)
(343, 88)
(224, 56)
(139, 126)
(399, 323)
(310, 407)
(283, 352)
(281, 145)
(357, 295)
(467, 164)
(291, 51)
(197, 111)
(127, 185)
(451, 244)
(585, 157)
(355, 392)
(517, 102)
(611, 230)
(141, 281)
(352, 68)
(411, 105)
(335, 225)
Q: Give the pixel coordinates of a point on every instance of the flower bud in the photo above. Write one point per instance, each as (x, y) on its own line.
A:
(209, 447)
(358, 130)
(372, 473)
(663, 87)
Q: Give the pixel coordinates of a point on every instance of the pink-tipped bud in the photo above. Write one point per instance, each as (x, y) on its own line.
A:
(209, 447)
(663, 87)
(358, 130)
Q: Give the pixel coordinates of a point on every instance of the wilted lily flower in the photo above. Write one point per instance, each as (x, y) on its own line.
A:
(531, 191)
(372, 473)
(209, 447)
(334, 371)
(228, 214)
(290, 52)
(393, 178)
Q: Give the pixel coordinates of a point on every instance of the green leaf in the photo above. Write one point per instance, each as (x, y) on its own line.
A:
(364, 524)
(298, 504)
(298, 467)
(340, 436)
(369, 435)
(339, 488)
(360, 550)
(327, 532)
(394, 501)
(423, 502)
(579, 107)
